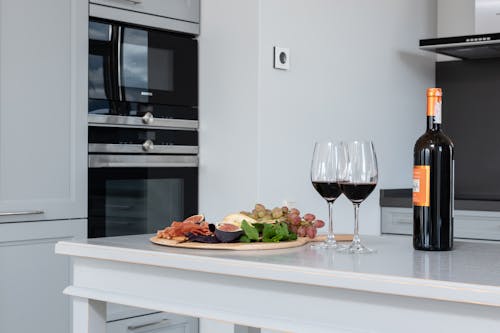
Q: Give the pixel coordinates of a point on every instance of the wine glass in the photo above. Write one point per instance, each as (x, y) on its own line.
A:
(360, 180)
(328, 165)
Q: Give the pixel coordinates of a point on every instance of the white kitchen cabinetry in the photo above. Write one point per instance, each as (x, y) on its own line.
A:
(175, 15)
(154, 323)
(43, 109)
(468, 224)
(186, 10)
(32, 276)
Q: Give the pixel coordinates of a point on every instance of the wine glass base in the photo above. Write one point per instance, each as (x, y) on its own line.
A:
(356, 248)
(328, 245)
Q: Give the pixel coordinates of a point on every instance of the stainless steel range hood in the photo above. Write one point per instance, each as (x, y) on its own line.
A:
(482, 46)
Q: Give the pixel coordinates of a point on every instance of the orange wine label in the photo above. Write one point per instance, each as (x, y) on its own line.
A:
(421, 185)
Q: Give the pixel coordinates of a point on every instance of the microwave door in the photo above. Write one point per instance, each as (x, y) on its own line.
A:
(174, 68)
(133, 65)
(103, 61)
(157, 67)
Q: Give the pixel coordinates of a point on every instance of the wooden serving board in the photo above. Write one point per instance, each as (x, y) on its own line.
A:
(245, 246)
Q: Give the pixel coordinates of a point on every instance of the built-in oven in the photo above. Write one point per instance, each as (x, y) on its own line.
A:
(140, 180)
(143, 122)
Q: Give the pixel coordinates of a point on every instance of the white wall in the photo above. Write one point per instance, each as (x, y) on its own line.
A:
(228, 53)
(356, 72)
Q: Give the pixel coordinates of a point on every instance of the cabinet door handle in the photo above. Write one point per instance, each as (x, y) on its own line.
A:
(27, 212)
(155, 323)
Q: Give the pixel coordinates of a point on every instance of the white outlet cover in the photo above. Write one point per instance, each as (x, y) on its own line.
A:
(281, 58)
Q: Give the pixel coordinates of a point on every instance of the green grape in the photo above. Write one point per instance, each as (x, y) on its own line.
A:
(260, 207)
(277, 213)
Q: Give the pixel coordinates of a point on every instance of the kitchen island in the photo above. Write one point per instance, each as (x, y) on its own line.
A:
(301, 289)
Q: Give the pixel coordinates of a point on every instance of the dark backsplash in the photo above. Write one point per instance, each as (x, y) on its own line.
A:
(471, 118)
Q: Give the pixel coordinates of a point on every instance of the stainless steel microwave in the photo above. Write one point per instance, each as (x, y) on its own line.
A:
(134, 64)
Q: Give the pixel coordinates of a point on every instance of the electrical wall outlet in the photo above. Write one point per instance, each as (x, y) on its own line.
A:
(281, 58)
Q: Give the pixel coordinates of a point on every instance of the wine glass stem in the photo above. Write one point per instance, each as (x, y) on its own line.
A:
(356, 224)
(330, 237)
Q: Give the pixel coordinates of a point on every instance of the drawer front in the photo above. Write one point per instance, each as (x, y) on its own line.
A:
(186, 10)
(397, 221)
(467, 224)
(477, 225)
(116, 312)
(154, 323)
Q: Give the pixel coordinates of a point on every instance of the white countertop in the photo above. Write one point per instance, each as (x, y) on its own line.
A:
(470, 273)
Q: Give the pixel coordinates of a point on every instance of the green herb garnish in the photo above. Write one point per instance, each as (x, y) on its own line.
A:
(276, 232)
(244, 239)
(250, 231)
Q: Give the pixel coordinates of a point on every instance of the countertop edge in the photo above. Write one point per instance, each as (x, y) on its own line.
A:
(376, 283)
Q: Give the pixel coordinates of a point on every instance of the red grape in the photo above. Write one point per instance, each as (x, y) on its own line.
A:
(319, 224)
(309, 217)
(311, 232)
(301, 232)
(294, 219)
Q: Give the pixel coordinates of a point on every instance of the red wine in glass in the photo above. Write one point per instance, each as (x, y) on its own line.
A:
(360, 179)
(357, 192)
(327, 168)
(330, 191)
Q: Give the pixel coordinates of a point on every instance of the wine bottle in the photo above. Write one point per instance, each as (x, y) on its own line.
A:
(433, 182)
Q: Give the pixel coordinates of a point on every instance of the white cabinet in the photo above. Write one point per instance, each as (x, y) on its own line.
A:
(32, 276)
(175, 15)
(186, 10)
(154, 323)
(468, 224)
(43, 101)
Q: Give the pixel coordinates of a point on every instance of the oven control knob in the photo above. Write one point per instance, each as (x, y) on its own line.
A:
(148, 118)
(148, 145)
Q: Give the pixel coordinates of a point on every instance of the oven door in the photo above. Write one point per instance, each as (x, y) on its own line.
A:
(157, 67)
(138, 194)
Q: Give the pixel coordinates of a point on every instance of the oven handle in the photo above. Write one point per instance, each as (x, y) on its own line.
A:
(142, 161)
(147, 147)
(148, 121)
